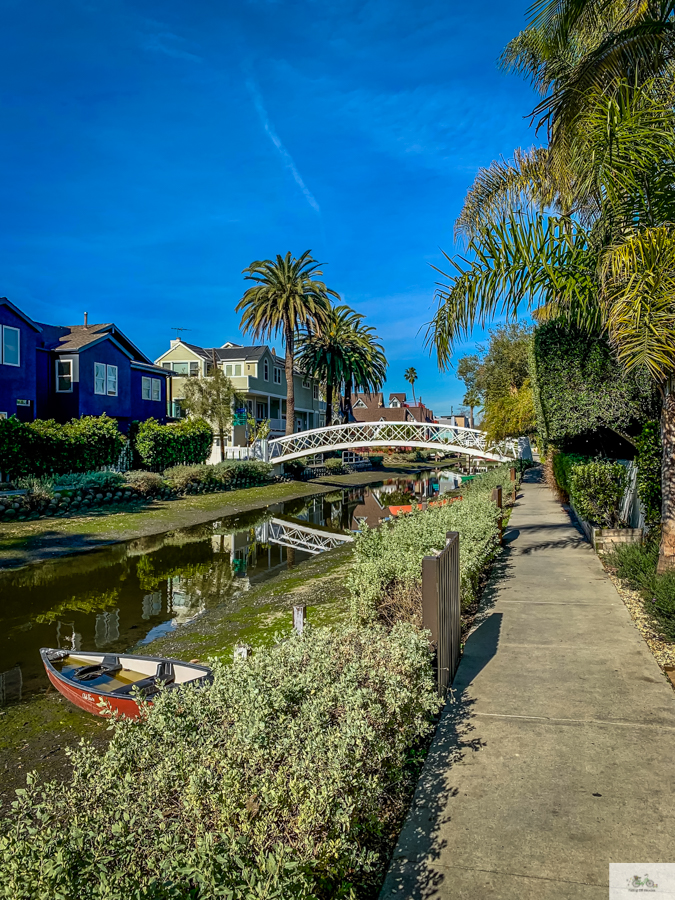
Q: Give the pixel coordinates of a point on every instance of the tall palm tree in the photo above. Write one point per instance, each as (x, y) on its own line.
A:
(286, 297)
(322, 354)
(411, 377)
(366, 364)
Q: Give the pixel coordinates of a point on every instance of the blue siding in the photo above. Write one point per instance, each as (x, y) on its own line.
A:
(147, 409)
(19, 383)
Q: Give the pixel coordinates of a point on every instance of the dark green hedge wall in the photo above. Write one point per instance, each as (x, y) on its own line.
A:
(579, 387)
(45, 447)
(161, 446)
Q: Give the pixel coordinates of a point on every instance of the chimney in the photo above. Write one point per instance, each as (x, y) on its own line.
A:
(85, 319)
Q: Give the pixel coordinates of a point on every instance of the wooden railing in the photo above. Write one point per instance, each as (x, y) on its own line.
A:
(441, 613)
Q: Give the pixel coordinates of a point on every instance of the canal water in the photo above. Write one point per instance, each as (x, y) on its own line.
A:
(131, 593)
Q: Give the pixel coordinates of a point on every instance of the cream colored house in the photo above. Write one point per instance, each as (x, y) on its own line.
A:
(257, 374)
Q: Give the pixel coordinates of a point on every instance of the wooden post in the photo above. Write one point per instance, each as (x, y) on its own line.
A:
(299, 618)
(497, 498)
(241, 651)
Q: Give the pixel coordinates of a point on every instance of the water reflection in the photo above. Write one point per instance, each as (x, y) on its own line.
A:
(115, 598)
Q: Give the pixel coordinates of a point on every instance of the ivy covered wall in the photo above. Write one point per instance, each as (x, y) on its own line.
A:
(584, 400)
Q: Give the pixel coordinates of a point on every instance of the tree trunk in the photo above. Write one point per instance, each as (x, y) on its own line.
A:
(222, 443)
(329, 403)
(290, 383)
(667, 548)
(471, 425)
(347, 411)
(412, 385)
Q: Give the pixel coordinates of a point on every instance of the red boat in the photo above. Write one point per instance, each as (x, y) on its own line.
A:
(103, 684)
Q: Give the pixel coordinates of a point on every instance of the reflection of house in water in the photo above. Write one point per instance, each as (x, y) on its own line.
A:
(66, 636)
(152, 605)
(107, 629)
(11, 683)
(369, 511)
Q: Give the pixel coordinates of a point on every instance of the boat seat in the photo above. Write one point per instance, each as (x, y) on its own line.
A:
(109, 665)
(164, 675)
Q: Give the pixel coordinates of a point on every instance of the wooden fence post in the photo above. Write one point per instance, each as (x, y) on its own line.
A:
(497, 498)
(299, 618)
(441, 613)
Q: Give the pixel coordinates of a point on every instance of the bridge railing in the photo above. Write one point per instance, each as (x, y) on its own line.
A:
(380, 434)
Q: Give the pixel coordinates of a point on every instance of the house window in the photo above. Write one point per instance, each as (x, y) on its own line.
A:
(146, 388)
(194, 370)
(111, 372)
(261, 410)
(166, 366)
(64, 376)
(181, 368)
(315, 391)
(305, 382)
(266, 371)
(277, 375)
(3, 415)
(156, 389)
(99, 378)
(237, 370)
(10, 346)
(228, 370)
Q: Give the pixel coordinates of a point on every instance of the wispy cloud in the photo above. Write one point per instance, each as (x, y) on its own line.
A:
(165, 42)
(276, 140)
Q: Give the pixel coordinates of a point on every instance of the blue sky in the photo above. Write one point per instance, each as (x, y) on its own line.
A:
(151, 151)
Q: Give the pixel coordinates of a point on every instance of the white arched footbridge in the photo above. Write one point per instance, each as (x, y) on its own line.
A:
(449, 439)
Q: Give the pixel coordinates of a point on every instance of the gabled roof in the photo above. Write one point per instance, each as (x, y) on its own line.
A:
(74, 338)
(400, 397)
(229, 353)
(22, 315)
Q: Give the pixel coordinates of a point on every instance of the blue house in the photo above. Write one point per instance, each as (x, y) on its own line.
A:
(81, 370)
(19, 339)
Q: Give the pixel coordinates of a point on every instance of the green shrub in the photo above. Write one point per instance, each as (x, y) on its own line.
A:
(295, 468)
(40, 487)
(187, 442)
(100, 481)
(636, 564)
(180, 478)
(595, 487)
(334, 466)
(392, 554)
(146, 483)
(649, 473)
(45, 447)
(284, 779)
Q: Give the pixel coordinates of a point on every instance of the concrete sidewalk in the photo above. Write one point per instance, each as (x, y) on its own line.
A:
(556, 754)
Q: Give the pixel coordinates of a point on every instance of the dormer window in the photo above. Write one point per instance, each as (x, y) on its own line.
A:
(395, 403)
(359, 404)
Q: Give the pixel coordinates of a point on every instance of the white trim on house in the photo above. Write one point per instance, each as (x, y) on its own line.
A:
(62, 374)
(3, 360)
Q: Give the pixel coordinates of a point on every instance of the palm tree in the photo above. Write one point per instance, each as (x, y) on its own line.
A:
(287, 298)
(322, 354)
(366, 363)
(411, 377)
(581, 230)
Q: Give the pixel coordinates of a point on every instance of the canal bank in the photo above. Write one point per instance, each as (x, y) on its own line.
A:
(191, 593)
(28, 543)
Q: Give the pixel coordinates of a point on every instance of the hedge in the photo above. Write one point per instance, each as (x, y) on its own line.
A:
(595, 487)
(187, 442)
(579, 387)
(390, 557)
(45, 447)
(287, 778)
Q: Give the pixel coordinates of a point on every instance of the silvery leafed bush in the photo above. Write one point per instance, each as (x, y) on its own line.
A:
(284, 779)
(392, 554)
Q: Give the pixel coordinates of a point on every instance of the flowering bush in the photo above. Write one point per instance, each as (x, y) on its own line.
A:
(390, 557)
(283, 779)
